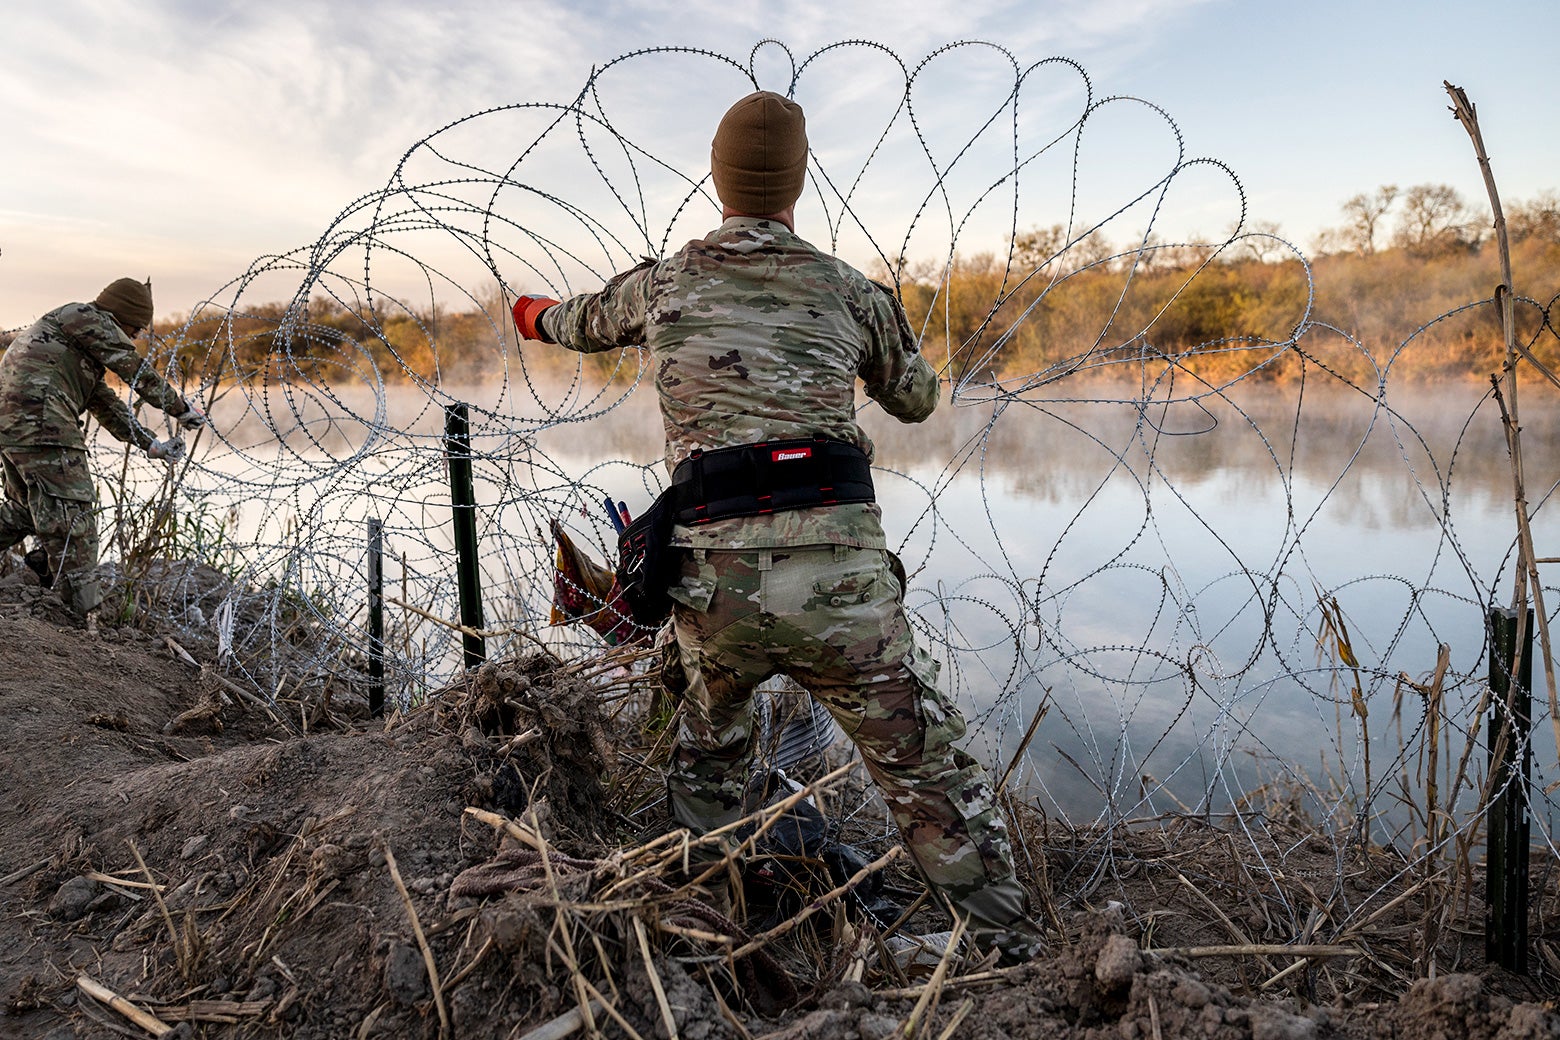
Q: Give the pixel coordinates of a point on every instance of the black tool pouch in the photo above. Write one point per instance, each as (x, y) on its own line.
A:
(647, 562)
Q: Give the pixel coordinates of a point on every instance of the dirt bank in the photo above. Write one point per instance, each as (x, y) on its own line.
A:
(330, 882)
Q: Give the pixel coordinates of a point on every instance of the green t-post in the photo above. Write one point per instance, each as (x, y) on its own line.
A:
(1510, 828)
(463, 499)
(376, 617)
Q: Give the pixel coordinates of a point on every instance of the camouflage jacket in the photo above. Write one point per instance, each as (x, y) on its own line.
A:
(754, 335)
(53, 373)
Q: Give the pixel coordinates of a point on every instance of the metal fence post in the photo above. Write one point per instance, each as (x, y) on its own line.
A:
(376, 617)
(1508, 822)
(463, 499)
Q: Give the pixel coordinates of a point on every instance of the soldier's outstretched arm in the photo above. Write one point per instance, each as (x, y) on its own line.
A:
(116, 417)
(894, 372)
(605, 320)
(95, 332)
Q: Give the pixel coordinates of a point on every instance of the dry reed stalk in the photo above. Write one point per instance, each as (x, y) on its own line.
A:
(627, 782)
(422, 943)
(566, 1024)
(1260, 950)
(210, 674)
(179, 652)
(597, 997)
(856, 970)
(769, 815)
(519, 741)
(988, 977)
(123, 885)
(481, 633)
(693, 933)
(887, 960)
(465, 915)
(283, 911)
(184, 957)
(725, 1009)
(223, 1012)
(1333, 625)
(617, 657)
(655, 980)
(566, 949)
(1376, 915)
(1218, 912)
(1464, 857)
(101, 993)
(932, 993)
(952, 1028)
(1241, 938)
(1041, 710)
(606, 964)
(1299, 964)
(1436, 819)
(25, 872)
(513, 828)
(899, 922)
(1527, 576)
(460, 976)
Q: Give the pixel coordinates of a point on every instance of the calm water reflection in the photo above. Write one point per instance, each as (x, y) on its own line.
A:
(1155, 576)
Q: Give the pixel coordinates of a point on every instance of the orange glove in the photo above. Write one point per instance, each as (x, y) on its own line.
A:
(528, 312)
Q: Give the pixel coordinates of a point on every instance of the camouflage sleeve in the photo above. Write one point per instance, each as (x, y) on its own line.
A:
(95, 333)
(116, 417)
(605, 320)
(896, 375)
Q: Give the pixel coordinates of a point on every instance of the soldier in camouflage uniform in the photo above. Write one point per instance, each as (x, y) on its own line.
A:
(50, 376)
(757, 336)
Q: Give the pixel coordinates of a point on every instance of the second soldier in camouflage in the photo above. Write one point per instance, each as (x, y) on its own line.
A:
(51, 376)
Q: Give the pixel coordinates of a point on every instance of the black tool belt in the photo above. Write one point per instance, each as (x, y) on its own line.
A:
(770, 477)
(747, 480)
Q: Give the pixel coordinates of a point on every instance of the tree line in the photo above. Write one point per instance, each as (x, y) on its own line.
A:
(1053, 301)
(1363, 303)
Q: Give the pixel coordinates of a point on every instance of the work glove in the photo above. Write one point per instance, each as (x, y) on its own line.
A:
(170, 450)
(528, 313)
(192, 418)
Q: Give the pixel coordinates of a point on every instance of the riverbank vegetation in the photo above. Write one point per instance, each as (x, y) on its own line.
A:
(1405, 284)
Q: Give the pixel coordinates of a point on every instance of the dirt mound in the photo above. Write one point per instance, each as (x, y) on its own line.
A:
(232, 872)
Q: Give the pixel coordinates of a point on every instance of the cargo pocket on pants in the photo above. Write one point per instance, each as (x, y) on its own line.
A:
(695, 584)
(974, 799)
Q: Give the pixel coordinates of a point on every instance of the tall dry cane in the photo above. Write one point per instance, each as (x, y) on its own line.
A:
(1527, 580)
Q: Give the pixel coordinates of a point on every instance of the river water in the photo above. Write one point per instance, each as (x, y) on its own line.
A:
(1166, 582)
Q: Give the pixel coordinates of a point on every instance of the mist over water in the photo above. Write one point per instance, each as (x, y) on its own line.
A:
(1155, 575)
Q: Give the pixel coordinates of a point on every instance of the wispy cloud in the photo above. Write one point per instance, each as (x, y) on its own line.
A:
(218, 131)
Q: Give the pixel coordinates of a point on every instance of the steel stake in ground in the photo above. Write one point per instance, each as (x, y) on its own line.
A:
(463, 498)
(1509, 824)
(376, 617)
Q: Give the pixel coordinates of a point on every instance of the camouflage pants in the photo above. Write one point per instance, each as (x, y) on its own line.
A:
(833, 619)
(48, 494)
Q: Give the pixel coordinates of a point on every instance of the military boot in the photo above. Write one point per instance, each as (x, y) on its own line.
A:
(997, 921)
(37, 561)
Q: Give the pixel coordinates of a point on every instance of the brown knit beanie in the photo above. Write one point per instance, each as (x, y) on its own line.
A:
(758, 159)
(128, 300)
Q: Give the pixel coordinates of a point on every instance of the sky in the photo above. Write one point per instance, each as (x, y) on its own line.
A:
(185, 139)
